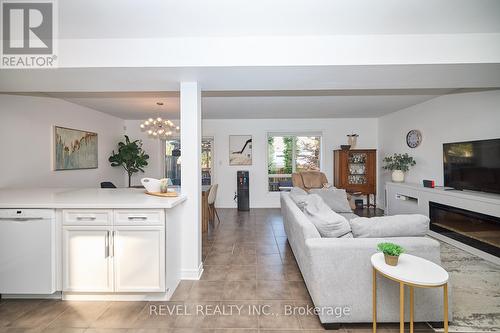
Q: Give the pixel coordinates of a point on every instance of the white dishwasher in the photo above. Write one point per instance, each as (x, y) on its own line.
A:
(27, 251)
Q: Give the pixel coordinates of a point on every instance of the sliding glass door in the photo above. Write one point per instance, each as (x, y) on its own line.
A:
(207, 145)
(173, 161)
(173, 158)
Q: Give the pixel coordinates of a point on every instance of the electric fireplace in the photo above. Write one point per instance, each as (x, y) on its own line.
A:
(475, 229)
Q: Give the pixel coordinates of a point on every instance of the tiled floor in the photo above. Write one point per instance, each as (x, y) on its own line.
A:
(249, 268)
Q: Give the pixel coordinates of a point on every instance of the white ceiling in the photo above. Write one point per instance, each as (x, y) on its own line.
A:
(127, 105)
(174, 18)
(255, 92)
(315, 90)
(254, 78)
(257, 104)
(339, 104)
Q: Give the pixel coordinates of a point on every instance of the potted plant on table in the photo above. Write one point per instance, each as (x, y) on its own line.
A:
(130, 156)
(391, 252)
(398, 164)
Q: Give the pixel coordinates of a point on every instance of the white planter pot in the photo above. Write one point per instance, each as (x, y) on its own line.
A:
(398, 176)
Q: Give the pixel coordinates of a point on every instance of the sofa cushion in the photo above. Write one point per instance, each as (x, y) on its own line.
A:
(349, 216)
(299, 196)
(411, 225)
(328, 223)
(335, 198)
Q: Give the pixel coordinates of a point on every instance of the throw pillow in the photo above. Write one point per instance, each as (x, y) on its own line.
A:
(335, 198)
(299, 196)
(328, 223)
(411, 225)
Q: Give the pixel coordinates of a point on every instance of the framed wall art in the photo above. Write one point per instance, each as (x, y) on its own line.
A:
(240, 150)
(74, 149)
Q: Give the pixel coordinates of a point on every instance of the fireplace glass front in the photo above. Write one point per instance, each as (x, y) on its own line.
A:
(475, 229)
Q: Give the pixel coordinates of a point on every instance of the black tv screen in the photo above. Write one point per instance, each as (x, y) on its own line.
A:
(472, 165)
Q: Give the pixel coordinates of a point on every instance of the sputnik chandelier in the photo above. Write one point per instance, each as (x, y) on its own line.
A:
(159, 128)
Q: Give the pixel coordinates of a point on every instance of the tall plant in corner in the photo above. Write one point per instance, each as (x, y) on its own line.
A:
(130, 156)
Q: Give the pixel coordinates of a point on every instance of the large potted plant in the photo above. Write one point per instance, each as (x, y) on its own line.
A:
(398, 164)
(130, 156)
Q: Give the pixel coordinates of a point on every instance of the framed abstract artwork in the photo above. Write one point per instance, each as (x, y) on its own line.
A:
(74, 149)
(240, 150)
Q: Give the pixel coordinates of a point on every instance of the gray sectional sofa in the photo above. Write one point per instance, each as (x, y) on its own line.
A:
(338, 273)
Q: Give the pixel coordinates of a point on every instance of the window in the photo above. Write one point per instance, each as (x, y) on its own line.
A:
(289, 153)
(173, 160)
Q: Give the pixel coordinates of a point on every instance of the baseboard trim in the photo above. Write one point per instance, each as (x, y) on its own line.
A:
(56, 295)
(465, 247)
(192, 274)
(116, 297)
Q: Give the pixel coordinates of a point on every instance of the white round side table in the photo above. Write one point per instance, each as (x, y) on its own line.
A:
(412, 271)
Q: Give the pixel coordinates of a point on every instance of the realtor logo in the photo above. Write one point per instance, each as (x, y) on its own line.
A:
(28, 34)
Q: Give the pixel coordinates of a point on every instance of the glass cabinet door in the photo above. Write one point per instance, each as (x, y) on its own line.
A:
(356, 167)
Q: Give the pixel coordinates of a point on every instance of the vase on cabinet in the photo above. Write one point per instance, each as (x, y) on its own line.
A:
(398, 176)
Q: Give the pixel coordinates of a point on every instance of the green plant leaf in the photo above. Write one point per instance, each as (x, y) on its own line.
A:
(398, 162)
(390, 249)
(130, 156)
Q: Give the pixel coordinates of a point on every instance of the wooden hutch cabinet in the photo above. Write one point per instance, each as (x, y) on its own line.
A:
(355, 171)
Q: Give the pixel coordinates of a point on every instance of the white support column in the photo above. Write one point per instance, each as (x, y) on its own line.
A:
(190, 105)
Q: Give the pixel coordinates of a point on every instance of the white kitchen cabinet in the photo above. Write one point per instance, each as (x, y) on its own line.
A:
(139, 258)
(87, 265)
(87, 217)
(139, 217)
(127, 255)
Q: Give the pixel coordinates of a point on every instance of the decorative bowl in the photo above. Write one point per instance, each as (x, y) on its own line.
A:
(345, 147)
(151, 184)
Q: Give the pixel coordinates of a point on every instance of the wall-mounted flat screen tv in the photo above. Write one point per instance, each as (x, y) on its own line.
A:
(472, 165)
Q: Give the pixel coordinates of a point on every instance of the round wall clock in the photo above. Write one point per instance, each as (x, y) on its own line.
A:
(413, 138)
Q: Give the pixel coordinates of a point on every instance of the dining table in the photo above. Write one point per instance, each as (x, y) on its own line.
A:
(205, 211)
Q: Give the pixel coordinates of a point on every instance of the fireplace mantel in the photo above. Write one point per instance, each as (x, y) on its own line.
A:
(481, 202)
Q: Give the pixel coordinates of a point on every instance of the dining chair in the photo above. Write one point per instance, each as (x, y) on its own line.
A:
(212, 196)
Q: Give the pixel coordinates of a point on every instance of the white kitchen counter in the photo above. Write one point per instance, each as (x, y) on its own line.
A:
(84, 198)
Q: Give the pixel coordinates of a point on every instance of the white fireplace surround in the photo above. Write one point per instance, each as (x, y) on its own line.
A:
(408, 198)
